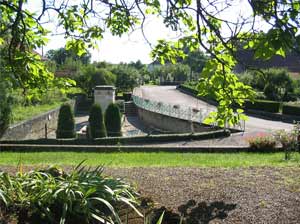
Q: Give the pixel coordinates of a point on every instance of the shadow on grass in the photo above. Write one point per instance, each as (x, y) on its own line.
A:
(195, 213)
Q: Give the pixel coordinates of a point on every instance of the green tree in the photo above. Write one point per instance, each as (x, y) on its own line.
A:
(113, 120)
(5, 107)
(196, 61)
(60, 56)
(279, 85)
(96, 128)
(275, 83)
(172, 72)
(127, 77)
(66, 122)
(90, 76)
(201, 24)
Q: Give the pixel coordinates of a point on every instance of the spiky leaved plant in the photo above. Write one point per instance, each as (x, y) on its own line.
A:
(52, 196)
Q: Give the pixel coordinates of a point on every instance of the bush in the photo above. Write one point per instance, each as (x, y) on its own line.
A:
(127, 96)
(262, 143)
(66, 123)
(264, 105)
(288, 140)
(52, 196)
(96, 127)
(291, 109)
(120, 104)
(5, 108)
(275, 83)
(113, 120)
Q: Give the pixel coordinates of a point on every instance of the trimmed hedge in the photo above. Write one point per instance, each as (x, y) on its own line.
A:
(125, 140)
(113, 120)
(66, 122)
(291, 109)
(188, 89)
(96, 128)
(264, 105)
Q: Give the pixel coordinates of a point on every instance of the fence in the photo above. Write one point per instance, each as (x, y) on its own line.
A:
(186, 113)
(177, 111)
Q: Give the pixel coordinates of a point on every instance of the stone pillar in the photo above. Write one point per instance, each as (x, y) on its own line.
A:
(104, 95)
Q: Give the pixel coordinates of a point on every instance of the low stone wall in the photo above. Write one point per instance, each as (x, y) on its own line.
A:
(33, 128)
(170, 124)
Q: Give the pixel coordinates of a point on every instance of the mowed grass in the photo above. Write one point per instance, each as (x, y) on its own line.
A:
(160, 159)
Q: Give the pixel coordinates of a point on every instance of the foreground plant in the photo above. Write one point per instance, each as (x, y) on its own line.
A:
(53, 196)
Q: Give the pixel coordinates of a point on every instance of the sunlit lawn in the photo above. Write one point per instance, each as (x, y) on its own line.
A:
(160, 159)
(21, 113)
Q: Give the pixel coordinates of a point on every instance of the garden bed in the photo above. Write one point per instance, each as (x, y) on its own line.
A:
(219, 195)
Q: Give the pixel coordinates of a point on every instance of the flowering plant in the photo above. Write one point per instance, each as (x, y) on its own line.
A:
(262, 143)
(287, 139)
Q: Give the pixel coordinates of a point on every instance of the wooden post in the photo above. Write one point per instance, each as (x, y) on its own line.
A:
(46, 131)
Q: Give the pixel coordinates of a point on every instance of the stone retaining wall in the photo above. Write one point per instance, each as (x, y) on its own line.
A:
(170, 124)
(35, 127)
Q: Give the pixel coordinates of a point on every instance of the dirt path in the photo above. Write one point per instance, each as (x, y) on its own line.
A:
(217, 195)
(214, 195)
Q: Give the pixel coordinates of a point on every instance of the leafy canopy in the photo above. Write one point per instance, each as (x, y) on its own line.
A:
(202, 24)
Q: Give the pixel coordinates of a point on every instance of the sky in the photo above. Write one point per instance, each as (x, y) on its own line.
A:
(133, 46)
(129, 47)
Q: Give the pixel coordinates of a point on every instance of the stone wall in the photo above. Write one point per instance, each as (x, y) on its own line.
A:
(34, 128)
(170, 124)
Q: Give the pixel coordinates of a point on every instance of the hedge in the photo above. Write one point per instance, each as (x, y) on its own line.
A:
(264, 105)
(128, 148)
(125, 140)
(193, 92)
(291, 109)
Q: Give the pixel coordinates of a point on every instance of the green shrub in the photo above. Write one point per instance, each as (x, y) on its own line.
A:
(66, 123)
(264, 105)
(262, 143)
(5, 108)
(288, 140)
(96, 123)
(52, 196)
(113, 120)
(275, 83)
(120, 104)
(291, 109)
(127, 96)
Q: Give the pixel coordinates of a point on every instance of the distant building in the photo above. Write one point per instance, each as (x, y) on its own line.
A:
(291, 62)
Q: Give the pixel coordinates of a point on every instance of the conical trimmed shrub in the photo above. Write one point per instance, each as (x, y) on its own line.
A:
(113, 120)
(66, 122)
(96, 127)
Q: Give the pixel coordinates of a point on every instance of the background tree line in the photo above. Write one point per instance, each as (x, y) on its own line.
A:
(125, 76)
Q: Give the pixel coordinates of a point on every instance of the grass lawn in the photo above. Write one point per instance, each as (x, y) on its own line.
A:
(160, 159)
(21, 113)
